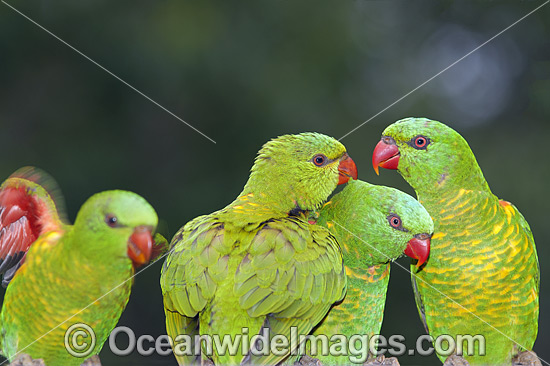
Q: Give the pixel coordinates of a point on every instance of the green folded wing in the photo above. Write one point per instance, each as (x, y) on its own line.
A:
(283, 273)
(190, 276)
(291, 277)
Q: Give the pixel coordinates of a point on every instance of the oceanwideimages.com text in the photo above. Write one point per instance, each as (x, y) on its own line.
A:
(80, 340)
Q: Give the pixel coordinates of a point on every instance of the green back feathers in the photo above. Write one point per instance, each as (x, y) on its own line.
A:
(359, 217)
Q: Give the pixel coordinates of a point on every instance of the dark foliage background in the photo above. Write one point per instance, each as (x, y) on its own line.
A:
(244, 72)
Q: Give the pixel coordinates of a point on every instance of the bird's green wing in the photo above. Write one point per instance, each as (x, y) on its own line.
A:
(186, 350)
(288, 274)
(418, 299)
(292, 275)
(529, 279)
(529, 235)
(190, 276)
(191, 271)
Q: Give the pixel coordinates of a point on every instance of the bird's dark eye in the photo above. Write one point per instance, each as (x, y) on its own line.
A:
(319, 159)
(395, 221)
(420, 142)
(111, 220)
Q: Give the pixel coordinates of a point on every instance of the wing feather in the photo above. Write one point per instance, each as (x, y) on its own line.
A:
(418, 299)
(288, 273)
(29, 207)
(298, 276)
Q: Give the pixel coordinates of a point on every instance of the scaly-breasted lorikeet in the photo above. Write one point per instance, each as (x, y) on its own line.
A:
(57, 274)
(374, 226)
(258, 263)
(482, 276)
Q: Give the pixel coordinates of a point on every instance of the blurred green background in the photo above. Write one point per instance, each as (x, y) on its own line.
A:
(244, 72)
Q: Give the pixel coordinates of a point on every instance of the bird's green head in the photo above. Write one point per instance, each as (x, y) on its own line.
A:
(428, 154)
(299, 172)
(377, 224)
(116, 224)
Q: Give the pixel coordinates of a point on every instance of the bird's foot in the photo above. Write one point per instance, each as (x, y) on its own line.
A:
(526, 358)
(381, 360)
(307, 361)
(92, 361)
(206, 362)
(456, 360)
(24, 359)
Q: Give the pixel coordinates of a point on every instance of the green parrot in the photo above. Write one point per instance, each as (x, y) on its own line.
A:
(257, 267)
(482, 277)
(374, 226)
(58, 275)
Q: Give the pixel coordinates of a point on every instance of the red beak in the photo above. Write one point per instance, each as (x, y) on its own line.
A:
(419, 248)
(347, 169)
(140, 245)
(385, 155)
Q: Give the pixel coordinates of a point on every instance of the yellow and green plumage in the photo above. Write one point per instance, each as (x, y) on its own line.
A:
(360, 216)
(71, 274)
(482, 276)
(258, 263)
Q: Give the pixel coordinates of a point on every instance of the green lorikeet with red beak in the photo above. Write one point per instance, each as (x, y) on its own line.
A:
(258, 263)
(482, 276)
(374, 226)
(57, 274)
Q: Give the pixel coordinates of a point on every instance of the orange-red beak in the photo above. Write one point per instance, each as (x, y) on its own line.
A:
(419, 248)
(385, 155)
(347, 169)
(140, 245)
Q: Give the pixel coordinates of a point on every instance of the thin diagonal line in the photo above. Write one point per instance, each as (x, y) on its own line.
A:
(445, 69)
(434, 288)
(90, 304)
(107, 71)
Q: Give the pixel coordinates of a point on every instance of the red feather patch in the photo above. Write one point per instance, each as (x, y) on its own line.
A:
(26, 212)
